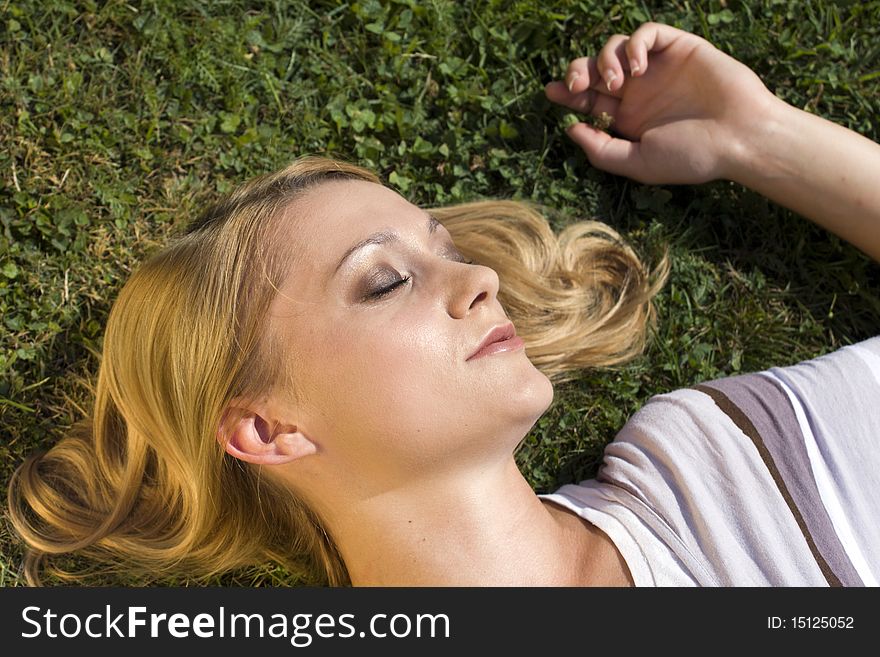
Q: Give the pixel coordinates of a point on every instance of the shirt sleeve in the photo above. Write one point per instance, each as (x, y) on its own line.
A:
(771, 478)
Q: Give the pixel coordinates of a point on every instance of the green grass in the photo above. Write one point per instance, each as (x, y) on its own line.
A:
(120, 120)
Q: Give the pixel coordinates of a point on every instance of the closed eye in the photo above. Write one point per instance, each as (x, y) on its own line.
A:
(388, 289)
(450, 253)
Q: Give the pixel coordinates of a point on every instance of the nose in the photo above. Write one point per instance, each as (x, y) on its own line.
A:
(474, 286)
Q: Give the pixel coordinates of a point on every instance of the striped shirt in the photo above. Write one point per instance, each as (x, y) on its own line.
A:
(764, 479)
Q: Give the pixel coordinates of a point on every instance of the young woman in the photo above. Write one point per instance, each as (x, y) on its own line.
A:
(320, 373)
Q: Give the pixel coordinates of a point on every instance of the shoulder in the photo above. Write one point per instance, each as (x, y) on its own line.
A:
(782, 457)
(765, 478)
(677, 439)
(836, 388)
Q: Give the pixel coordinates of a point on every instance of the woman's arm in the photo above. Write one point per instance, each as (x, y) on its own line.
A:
(820, 170)
(689, 113)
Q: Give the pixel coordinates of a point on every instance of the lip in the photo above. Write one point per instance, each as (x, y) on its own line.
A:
(500, 339)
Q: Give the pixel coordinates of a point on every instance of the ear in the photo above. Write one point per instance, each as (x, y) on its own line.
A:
(255, 440)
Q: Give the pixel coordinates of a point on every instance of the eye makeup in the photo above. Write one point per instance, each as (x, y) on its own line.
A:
(386, 279)
(385, 290)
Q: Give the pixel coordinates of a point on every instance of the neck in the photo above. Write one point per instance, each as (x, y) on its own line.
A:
(493, 531)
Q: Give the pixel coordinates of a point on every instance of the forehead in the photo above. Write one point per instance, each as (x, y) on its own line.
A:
(320, 226)
(341, 212)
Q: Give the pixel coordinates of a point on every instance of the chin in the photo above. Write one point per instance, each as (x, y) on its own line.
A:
(532, 398)
(544, 392)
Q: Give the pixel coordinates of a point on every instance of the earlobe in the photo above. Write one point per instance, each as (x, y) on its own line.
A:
(254, 440)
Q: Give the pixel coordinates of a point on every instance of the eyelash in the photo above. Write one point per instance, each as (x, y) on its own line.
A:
(388, 289)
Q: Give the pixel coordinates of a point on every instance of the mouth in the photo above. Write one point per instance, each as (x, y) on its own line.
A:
(500, 339)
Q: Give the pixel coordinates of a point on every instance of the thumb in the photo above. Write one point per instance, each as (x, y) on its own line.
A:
(618, 156)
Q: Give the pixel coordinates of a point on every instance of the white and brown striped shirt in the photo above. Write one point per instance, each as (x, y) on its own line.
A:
(764, 479)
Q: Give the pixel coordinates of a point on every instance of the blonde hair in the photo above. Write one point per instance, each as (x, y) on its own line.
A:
(145, 481)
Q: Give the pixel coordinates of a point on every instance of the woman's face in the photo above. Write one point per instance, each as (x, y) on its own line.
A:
(380, 314)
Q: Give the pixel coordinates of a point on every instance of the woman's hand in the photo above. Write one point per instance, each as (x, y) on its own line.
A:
(685, 110)
(688, 113)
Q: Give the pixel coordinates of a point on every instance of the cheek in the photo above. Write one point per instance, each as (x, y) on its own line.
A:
(381, 377)
(397, 364)
(399, 392)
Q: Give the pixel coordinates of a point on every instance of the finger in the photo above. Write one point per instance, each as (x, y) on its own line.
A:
(637, 55)
(556, 92)
(583, 74)
(586, 102)
(647, 38)
(618, 156)
(604, 104)
(613, 62)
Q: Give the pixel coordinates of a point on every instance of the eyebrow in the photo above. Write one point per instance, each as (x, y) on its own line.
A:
(384, 237)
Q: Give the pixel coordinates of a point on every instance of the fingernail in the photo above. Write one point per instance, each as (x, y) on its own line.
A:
(574, 76)
(610, 76)
(634, 67)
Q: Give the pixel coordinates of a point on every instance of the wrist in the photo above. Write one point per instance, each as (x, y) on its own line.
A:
(753, 156)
